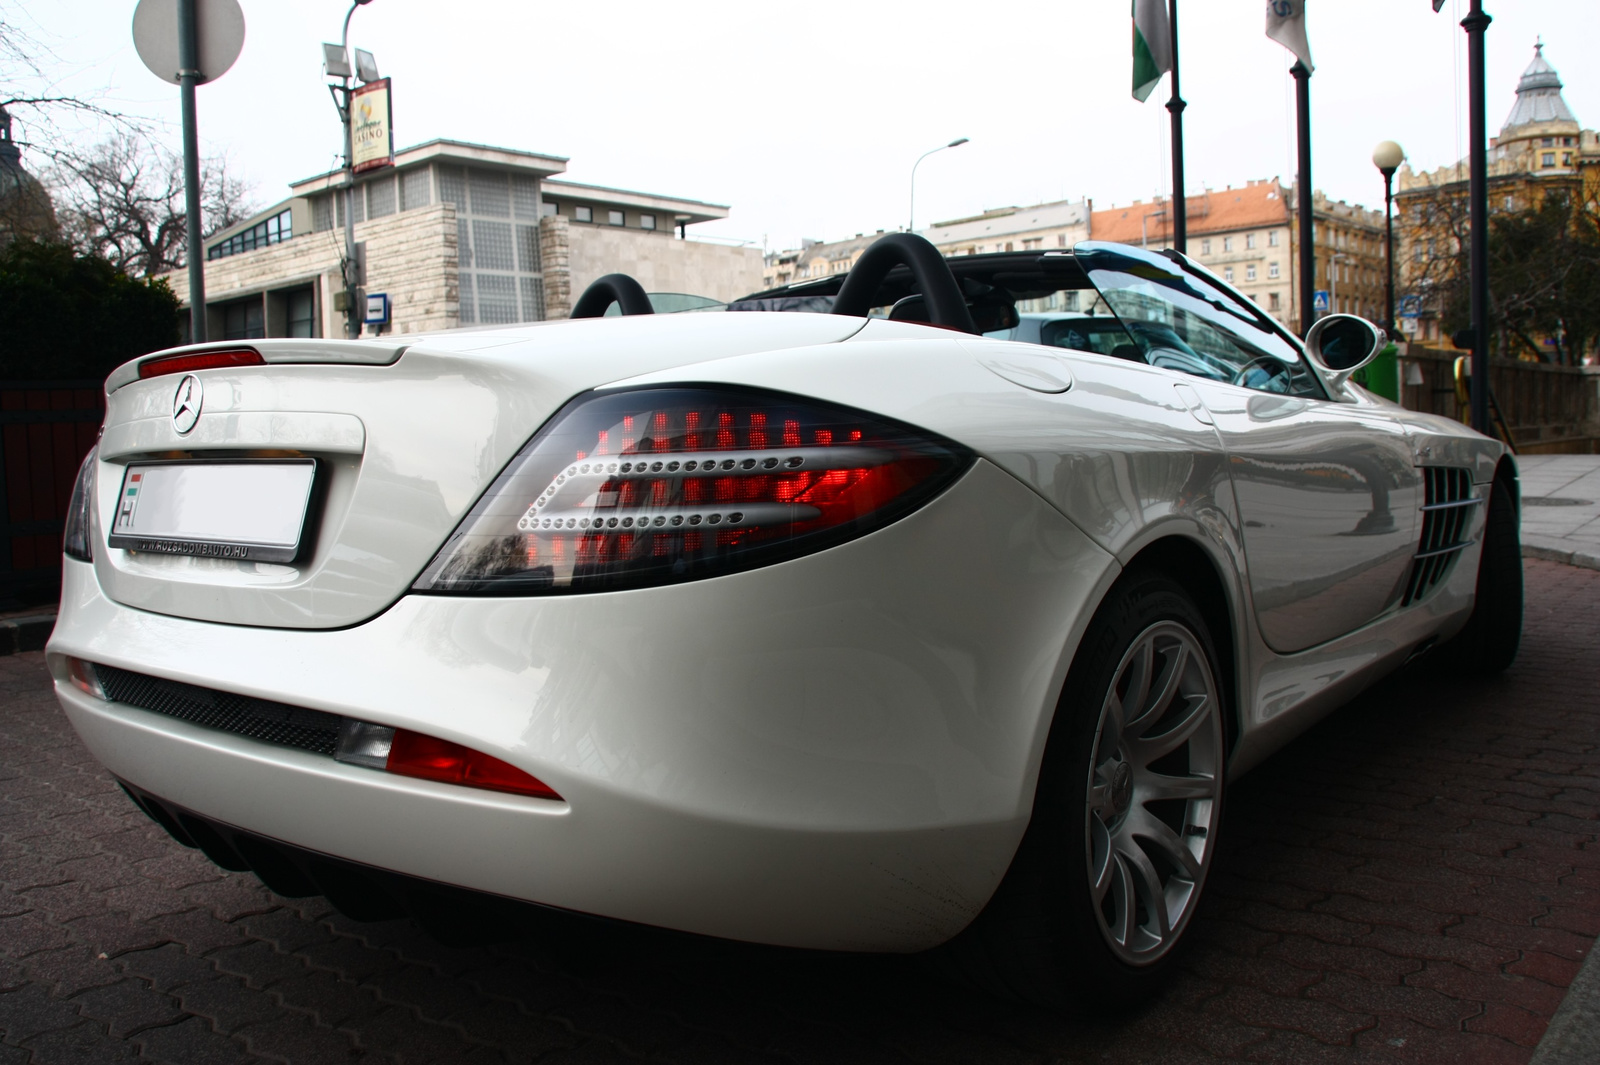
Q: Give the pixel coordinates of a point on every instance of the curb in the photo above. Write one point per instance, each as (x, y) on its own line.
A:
(1542, 548)
(1573, 1037)
(25, 633)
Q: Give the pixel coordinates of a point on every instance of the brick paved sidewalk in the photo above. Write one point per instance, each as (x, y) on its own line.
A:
(1417, 880)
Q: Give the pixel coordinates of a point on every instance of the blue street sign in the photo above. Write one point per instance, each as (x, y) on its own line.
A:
(377, 308)
(1319, 301)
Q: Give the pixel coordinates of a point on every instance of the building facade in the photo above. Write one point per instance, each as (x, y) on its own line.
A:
(456, 234)
(1250, 237)
(1541, 149)
(1042, 227)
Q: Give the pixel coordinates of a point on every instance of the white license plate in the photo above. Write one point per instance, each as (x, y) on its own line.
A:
(252, 511)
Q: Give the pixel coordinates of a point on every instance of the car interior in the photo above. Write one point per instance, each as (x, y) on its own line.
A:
(1157, 308)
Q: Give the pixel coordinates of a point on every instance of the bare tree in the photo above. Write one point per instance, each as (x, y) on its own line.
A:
(123, 200)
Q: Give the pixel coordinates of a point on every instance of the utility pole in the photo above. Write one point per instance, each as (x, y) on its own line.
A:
(188, 78)
(1175, 106)
(1308, 261)
(1475, 24)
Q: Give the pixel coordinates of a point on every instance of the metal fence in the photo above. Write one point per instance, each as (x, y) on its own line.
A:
(46, 428)
(1549, 408)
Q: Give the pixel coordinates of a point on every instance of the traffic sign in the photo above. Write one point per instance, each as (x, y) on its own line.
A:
(220, 32)
(1319, 301)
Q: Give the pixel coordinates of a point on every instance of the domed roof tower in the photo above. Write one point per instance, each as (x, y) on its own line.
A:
(25, 207)
(1539, 97)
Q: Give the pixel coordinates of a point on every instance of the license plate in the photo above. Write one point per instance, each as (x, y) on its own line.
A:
(251, 511)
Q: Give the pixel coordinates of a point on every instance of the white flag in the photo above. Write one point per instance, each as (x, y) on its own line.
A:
(1286, 24)
(1152, 46)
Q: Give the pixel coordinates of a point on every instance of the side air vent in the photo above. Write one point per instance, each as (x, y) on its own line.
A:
(1446, 517)
(243, 715)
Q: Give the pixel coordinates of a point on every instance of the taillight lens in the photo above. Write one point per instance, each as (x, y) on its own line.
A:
(412, 754)
(77, 541)
(200, 360)
(627, 489)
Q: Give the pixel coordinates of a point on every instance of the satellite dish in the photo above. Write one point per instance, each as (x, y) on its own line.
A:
(219, 29)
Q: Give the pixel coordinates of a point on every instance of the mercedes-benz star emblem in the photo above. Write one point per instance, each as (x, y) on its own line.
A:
(186, 404)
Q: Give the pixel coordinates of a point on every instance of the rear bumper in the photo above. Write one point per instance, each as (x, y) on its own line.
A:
(836, 752)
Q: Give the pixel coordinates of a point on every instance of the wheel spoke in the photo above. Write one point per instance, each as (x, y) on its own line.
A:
(1152, 787)
(1140, 870)
(1126, 901)
(1133, 705)
(1150, 748)
(1156, 832)
(1166, 686)
(1102, 860)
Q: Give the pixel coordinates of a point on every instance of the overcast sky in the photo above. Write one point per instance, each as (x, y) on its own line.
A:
(806, 118)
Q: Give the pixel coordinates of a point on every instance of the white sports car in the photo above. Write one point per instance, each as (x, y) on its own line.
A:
(851, 630)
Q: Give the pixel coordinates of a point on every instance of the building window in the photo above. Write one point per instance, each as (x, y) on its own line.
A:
(243, 320)
(1008, 245)
(1548, 159)
(1272, 239)
(491, 193)
(415, 188)
(380, 197)
(1250, 241)
(1227, 275)
(1250, 272)
(1061, 240)
(647, 221)
(524, 196)
(1273, 303)
(269, 231)
(1227, 244)
(1566, 158)
(322, 214)
(1548, 142)
(1205, 247)
(549, 208)
(583, 214)
(615, 218)
(1272, 271)
(301, 319)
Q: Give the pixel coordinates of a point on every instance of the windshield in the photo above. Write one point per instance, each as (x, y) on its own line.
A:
(1185, 319)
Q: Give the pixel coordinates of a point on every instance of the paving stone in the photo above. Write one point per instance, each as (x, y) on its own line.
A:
(190, 1042)
(85, 1043)
(127, 1006)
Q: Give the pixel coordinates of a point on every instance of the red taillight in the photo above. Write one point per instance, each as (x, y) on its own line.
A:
(659, 485)
(200, 360)
(415, 755)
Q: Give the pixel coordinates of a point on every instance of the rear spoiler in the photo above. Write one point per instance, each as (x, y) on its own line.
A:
(356, 352)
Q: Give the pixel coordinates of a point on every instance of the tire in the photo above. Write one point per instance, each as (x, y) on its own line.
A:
(1488, 644)
(1095, 906)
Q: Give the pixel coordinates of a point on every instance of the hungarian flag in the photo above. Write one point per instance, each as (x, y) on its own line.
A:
(1286, 24)
(1152, 46)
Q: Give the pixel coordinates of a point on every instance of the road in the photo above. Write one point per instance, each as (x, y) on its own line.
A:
(1415, 880)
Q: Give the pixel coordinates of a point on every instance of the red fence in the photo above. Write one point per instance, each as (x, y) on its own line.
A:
(46, 428)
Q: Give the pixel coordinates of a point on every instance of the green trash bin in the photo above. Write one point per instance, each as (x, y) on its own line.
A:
(1381, 376)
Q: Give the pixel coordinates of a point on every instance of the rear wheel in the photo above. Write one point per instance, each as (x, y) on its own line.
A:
(1109, 875)
(1488, 644)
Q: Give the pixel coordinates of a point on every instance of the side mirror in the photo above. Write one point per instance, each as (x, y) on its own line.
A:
(1341, 344)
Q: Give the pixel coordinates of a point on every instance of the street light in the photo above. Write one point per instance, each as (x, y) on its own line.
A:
(1387, 157)
(911, 221)
(337, 65)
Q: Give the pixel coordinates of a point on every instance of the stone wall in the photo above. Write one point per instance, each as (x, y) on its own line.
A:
(554, 255)
(659, 261)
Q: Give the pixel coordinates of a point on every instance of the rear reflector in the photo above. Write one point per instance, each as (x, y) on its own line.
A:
(412, 754)
(200, 360)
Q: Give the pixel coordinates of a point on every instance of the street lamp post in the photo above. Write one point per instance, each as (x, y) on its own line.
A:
(341, 100)
(911, 220)
(1387, 157)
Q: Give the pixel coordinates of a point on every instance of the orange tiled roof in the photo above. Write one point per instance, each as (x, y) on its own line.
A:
(1258, 204)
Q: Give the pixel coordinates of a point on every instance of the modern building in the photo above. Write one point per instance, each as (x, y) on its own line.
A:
(1541, 149)
(456, 234)
(1250, 236)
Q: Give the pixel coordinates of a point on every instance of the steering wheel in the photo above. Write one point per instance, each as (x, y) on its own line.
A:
(930, 273)
(1278, 367)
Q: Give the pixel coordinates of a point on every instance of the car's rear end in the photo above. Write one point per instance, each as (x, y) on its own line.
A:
(329, 613)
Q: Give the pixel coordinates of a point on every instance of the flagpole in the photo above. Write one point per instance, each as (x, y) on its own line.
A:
(1308, 260)
(1180, 220)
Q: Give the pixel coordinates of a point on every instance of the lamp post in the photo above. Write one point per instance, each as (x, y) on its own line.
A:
(911, 220)
(338, 65)
(1387, 157)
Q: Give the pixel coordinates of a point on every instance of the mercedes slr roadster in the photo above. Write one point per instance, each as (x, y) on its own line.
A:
(822, 620)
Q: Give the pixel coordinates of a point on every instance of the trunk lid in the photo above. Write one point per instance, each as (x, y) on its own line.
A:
(407, 435)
